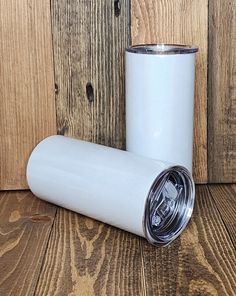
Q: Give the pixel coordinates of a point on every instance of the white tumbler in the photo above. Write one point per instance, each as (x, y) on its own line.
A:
(147, 197)
(160, 101)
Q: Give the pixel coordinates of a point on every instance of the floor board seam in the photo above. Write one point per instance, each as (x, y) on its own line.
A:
(222, 219)
(45, 252)
(144, 287)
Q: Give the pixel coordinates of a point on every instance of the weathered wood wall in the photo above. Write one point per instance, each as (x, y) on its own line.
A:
(222, 92)
(88, 38)
(27, 108)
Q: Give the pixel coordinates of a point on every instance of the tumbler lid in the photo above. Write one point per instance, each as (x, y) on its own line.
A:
(162, 49)
(169, 206)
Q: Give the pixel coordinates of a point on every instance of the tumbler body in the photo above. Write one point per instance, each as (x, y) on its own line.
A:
(107, 184)
(160, 104)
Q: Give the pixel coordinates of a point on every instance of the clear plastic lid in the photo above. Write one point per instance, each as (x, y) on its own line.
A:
(162, 49)
(169, 206)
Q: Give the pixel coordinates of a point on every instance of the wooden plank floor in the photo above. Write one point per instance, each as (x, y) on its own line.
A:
(47, 250)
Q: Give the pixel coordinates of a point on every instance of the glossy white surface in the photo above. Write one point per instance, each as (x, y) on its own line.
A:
(107, 184)
(159, 106)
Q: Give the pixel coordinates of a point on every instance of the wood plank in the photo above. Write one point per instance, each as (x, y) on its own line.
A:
(27, 111)
(180, 21)
(201, 262)
(89, 40)
(86, 257)
(225, 199)
(222, 92)
(25, 224)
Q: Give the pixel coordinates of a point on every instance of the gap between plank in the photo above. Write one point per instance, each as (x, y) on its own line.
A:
(143, 270)
(218, 210)
(46, 248)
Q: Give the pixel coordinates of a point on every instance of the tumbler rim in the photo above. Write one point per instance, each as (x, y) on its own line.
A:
(162, 49)
(183, 207)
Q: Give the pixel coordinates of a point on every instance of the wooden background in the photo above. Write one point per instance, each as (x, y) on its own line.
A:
(62, 70)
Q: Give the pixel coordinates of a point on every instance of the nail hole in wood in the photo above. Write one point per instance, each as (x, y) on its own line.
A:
(89, 92)
(117, 7)
(56, 89)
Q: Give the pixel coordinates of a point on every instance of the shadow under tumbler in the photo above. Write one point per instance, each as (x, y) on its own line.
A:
(160, 102)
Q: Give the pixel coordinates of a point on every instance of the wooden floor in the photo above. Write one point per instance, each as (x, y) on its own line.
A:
(47, 250)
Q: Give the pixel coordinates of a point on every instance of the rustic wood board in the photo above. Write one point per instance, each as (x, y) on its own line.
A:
(225, 199)
(89, 41)
(201, 262)
(222, 92)
(69, 254)
(180, 21)
(27, 111)
(25, 224)
(86, 257)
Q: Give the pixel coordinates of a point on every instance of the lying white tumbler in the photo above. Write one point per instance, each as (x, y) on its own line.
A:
(160, 101)
(147, 197)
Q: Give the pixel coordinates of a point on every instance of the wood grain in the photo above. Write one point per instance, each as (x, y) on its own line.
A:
(201, 262)
(27, 111)
(89, 41)
(25, 224)
(86, 257)
(222, 92)
(225, 199)
(75, 255)
(180, 21)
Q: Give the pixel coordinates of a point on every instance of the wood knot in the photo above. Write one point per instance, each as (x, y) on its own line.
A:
(89, 92)
(15, 216)
(117, 7)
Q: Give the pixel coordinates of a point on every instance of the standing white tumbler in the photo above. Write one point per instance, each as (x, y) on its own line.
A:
(160, 101)
(147, 197)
